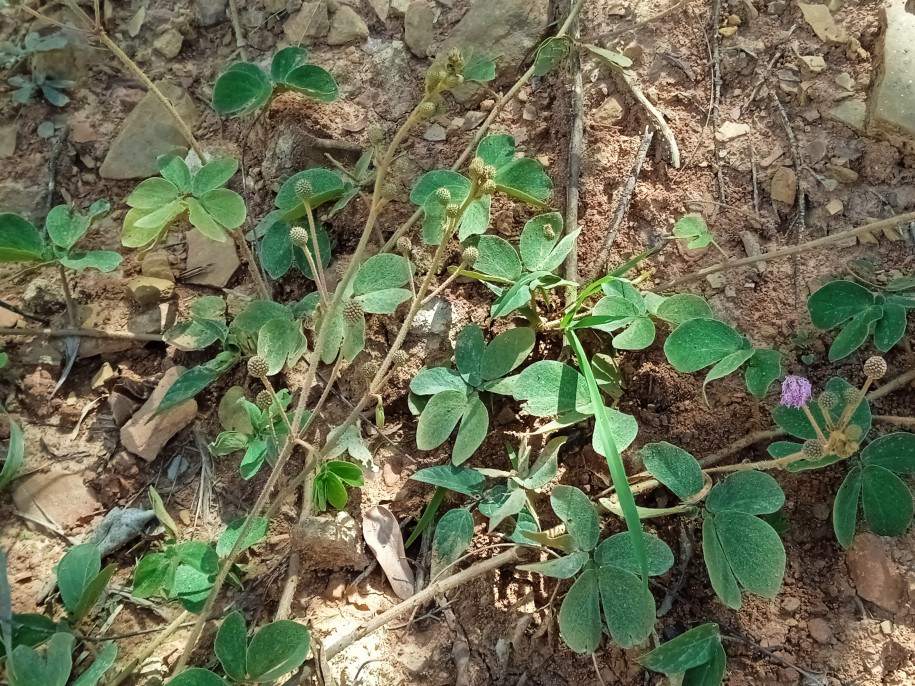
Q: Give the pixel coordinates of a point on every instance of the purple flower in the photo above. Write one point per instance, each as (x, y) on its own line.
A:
(796, 391)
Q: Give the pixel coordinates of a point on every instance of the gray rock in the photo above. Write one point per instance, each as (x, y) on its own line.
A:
(435, 133)
(381, 7)
(119, 527)
(147, 132)
(329, 543)
(391, 79)
(418, 27)
(24, 198)
(212, 262)
(346, 26)
(507, 29)
(891, 108)
(399, 7)
(8, 135)
(210, 12)
(851, 112)
(311, 21)
(169, 43)
(147, 432)
(433, 318)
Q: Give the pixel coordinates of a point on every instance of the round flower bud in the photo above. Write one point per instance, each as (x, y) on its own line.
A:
(299, 236)
(470, 255)
(812, 449)
(443, 196)
(854, 432)
(489, 171)
(352, 312)
(548, 231)
(400, 358)
(435, 75)
(875, 367)
(369, 369)
(258, 367)
(453, 81)
(303, 189)
(404, 245)
(850, 395)
(456, 60)
(389, 191)
(477, 165)
(427, 110)
(828, 400)
(264, 400)
(453, 210)
(488, 187)
(376, 135)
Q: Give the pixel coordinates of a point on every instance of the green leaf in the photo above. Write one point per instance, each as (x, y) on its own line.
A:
(152, 194)
(191, 588)
(895, 452)
(28, 668)
(709, 674)
(15, 455)
(468, 353)
(628, 605)
(91, 594)
(836, 302)
(762, 370)
(550, 53)
(78, 567)
(472, 431)
(384, 302)
(194, 380)
(438, 420)
(693, 228)
(453, 535)
(846, 506)
(674, 467)
(225, 206)
(506, 351)
(853, 334)
(231, 646)
(165, 519)
(498, 258)
(623, 429)
(579, 616)
(19, 240)
(65, 226)
(280, 340)
(103, 260)
(754, 552)
(242, 89)
(538, 239)
(795, 422)
(97, 669)
(890, 328)
(728, 364)
(613, 59)
(325, 186)
(723, 580)
(564, 567)
(887, 501)
(690, 649)
(522, 178)
(500, 502)
(697, 343)
(639, 334)
(313, 81)
(579, 514)
(381, 272)
(277, 649)
(214, 175)
(682, 307)
(153, 573)
(195, 676)
(435, 380)
(458, 479)
(175, 170)
(549, 388)
(159, 218)
(255, 535)
(135, 236)
(347, 472)
(748, 491)
(617, 551)
(285, 60)
(478, 68)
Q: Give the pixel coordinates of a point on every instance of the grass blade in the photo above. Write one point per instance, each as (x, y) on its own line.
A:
(15, 455)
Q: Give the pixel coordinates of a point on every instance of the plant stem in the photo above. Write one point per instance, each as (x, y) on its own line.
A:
(72, 311)
(318, 266)
(253, 267)
(85, 333)
(150, 649)
(447, 282)
(892, 419)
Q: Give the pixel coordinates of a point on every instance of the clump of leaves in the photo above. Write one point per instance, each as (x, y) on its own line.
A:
(65, 226)
(694, 658)
(244, 87)
(38, 82)
(13, 53)
(693, 230)
(455, 393)
(607, 591)
(160, 200)
(698, 343)
(859, 313)
(331, 481)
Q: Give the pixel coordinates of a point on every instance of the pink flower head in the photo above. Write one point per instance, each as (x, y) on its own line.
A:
(796, 391)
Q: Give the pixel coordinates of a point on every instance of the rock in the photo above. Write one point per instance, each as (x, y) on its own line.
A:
(816, 150)
(875, 576)
(891, 110)
(784, 185)
(42, 296)
(841, 174)
(104, 373)
(399, 7)
(820, 631)
(844, 80)
(731, 130)
(435, 133)
(329, 543)
(791, 604)
(834, 207)
(381, 7)
(852, 113)
(147, 290)
(391, 77)
(147, 432)
(811, 64)
(886, 627)
(717, 280)
(57, 497)
(169, 43)
(824, 26)
(507, 29)
(210, 12)
(24, 199)
(610, 113)
(777, 7)
(310, 21)
(346, 26)
(418, 27)
(751, 246)
(433, 318)
(122, 407)
(727, 31)
(215, 260)
(147, 132)
(8, 135)
(156, 265)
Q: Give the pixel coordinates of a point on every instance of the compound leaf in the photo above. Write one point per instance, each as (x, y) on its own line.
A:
(579, 616)
(452, 537)
(674, 467)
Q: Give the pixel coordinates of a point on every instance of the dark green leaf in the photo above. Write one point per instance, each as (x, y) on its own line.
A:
(313, 81)
(846, 506)
(709, 674)
(617, 551)
(457, 479)
(888, 506)
(551, 52)
(231, 646)
(453, 535)
(836, 302)
(747, 491)
(277, 649)
(256, 533)
(175, 170)
(19, 240)
(754, 552)
(242, 89)
(468, 353)
(564, 567)
(285, 60)
(506, 351)
(325, 186)
(762, 370)
(194, 380)
(97, 669)
(578, 513)
(78, 567)
(688, 650)
(214, 175)
(28, 668)
(628, 605)
(154, 572)
(895, 452)
(890, 328)
(674, 467)
(697, 343)
(195, 676)
(854, 333)
(91, 594)
(472, 431)
(439, 418)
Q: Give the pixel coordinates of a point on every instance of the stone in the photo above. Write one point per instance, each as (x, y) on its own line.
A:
(751, 246)
(346, 26)
(508, 29)
(147, 290)
(419, 27)
(435, 133)
(104, 373)
(717, 280)
(820, 631)
(212, 262)
(311, 21)
(8, 135)
(122, 408)
(57, 497)
(610, 113)
(147, 432)
(147, 132)
(433, 318)
(727, 31)
(816, 150)
(824, 26)
(841, 174)
(777, 7)
(844, 80)
(886, 627)
(24, 198)
(731, 130)
(169, 43)
(329, 542)
(811, 64)
(399, 7)
(156, 265)
(210, 12)
(891, 107)
(791, 604)
(390, 76)
(834, 207)
(784, 185)
(852, 113)
(42, 296)
(875, 576)
(381, 7)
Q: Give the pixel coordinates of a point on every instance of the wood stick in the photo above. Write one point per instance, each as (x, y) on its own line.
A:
(84, 333)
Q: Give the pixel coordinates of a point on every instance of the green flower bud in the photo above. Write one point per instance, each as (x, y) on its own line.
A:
(258, 367)
(489, 172)
(299, 236)
(453, 81)
(453, 210)
(470, 255)
(427, 110)
(488, 187)
(303, 190)
(854, 432)
(477, 165)
(812, 449)
(389, 191)
(352, 312)
(264, 400)
(400, 358)
(828, 400)
(456, 60)
(443, 196)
